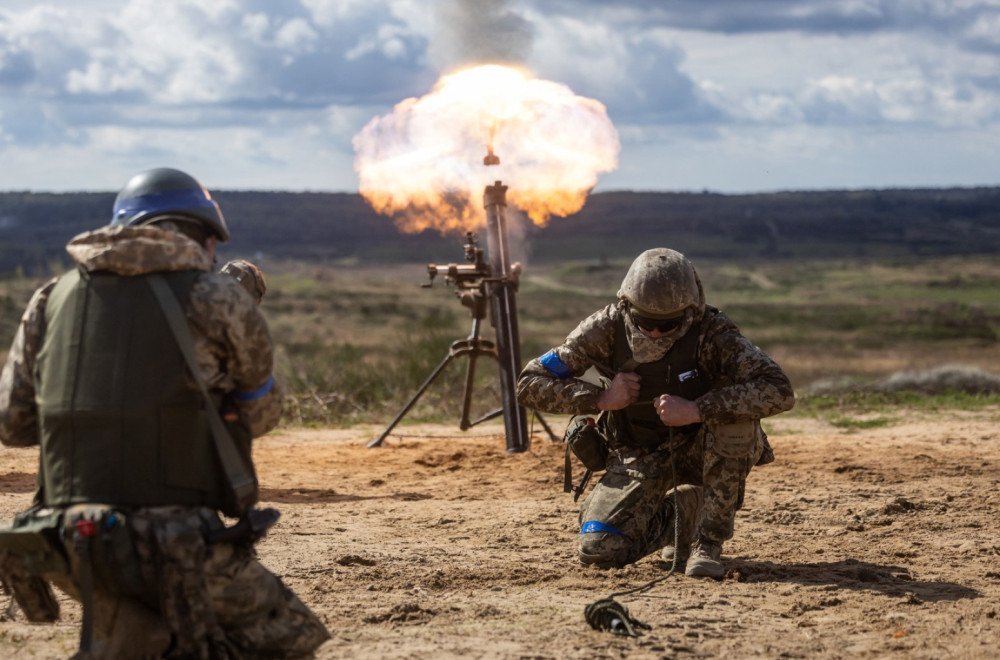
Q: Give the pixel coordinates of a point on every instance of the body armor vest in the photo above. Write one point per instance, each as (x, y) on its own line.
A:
(676, 373)
(121, 420)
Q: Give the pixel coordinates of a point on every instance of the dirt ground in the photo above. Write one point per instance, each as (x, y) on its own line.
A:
(873, 543)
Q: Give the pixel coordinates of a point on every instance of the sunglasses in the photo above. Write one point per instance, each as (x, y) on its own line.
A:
(661, 325)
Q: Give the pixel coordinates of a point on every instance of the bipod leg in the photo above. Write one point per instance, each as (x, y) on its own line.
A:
(548, 429)
(470, 375)
(377, 442)
(488, 416)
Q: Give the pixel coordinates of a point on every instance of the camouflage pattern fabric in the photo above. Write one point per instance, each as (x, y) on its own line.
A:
(632, 499)
(661, 282)
(727, 476)
(231, 338)
(249, 277)
(195, 600)
(747, 386)
(188, 588)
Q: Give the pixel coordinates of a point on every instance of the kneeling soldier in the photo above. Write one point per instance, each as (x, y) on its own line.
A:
(119, 370)
(680, 402)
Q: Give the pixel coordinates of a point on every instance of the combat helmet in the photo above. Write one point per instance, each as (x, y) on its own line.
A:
(249, 277)
(662, 284)
(166, 191)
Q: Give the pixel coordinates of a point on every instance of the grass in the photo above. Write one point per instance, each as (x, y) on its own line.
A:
(852, 425)
(355, 340)
(861, 404)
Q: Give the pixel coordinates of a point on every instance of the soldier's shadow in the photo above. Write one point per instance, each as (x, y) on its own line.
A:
(18, 482)
(850, 574)
(329, 496)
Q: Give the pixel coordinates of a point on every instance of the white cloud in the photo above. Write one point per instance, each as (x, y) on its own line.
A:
(296, 36)
(703, 77)
(388, 40)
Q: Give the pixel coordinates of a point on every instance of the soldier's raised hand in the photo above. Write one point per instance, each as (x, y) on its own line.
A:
(624, 390)
(676, 411)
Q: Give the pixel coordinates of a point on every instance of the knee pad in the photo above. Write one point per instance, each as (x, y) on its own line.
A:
(602, 545)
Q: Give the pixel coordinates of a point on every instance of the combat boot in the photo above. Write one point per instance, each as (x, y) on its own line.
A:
(705, 561)
(689, 501)
(667, 555)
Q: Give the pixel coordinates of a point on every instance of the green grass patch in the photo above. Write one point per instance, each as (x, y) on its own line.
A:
(835, 407)
(850, 424)
(354, 341)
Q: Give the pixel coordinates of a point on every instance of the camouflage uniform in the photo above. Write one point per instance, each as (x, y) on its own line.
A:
(626, 517)
(213, 599)
(249, 277)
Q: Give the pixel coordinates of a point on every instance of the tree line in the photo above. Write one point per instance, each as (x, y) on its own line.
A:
(331, 227)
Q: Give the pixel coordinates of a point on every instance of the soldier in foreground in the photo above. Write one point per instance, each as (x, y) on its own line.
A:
(681, 397)
(133, 472)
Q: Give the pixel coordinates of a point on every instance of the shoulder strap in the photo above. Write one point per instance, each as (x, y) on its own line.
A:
(242, 483)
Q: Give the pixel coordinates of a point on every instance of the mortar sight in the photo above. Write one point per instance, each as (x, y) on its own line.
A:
(463, 276)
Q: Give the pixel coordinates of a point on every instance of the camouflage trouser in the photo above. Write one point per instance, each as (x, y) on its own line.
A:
(627, 515)
(730, 453)
(182, 597)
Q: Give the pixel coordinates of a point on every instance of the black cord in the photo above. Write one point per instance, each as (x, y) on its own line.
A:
(609, 614)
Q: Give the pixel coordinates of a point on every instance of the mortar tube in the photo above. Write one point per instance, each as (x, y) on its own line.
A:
(504, 308)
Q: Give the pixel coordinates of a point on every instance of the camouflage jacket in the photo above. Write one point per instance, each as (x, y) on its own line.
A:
(746, 383)
(230, 336)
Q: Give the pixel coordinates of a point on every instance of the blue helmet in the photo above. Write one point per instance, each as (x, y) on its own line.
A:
(166, 191)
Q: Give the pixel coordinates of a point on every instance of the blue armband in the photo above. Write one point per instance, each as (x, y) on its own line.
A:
(554, 365)
(596, 526)
(258, 393)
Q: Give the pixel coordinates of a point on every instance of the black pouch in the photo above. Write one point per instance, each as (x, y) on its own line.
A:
(29, 550)
(585, 440)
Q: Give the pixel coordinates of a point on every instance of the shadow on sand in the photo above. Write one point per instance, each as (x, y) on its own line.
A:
(329, 496)
(849, 574)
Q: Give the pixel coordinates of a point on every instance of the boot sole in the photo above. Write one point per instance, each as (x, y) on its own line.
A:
(702, 568)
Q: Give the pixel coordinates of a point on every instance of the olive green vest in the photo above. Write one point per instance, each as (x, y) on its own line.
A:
(676, 373)
(121, 421)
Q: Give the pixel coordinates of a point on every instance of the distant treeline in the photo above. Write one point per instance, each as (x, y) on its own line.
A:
(333, 227)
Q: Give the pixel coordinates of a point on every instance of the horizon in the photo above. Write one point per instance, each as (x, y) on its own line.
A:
(778, 191)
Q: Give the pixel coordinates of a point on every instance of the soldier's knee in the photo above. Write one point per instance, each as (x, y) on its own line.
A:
(602, 545)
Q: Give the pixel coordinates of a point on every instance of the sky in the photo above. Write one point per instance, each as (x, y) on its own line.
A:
(722, 95)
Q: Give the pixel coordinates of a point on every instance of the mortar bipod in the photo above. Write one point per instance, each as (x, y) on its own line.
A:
(471, 347)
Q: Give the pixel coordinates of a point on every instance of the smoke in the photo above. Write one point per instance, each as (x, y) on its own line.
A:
(479, 32)
(424, 164)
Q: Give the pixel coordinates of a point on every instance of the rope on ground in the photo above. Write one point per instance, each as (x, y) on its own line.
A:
(607, 613)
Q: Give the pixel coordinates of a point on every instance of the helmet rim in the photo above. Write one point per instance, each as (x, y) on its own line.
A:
(166, 191)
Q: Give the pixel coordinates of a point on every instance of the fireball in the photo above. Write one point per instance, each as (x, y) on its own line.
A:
(424, 163)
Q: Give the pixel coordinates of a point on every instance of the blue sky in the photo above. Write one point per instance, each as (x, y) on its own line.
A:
(723, 95)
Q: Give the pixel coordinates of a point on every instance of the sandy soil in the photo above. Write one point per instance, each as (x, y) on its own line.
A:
(877, 543)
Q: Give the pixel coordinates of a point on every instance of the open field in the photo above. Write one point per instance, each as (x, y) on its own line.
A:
(821, 320)
(872, 535)
(354, 339)
(853, 544)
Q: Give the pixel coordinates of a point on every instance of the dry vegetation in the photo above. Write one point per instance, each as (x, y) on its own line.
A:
(872, 535)
(824, 321)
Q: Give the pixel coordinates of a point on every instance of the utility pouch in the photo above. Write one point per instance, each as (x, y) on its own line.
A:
(29, 550)
(110, 551)
(252, 526)
(733, 440)
(585, 440)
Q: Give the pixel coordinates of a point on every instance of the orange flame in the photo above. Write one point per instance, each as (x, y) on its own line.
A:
(423, 163)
